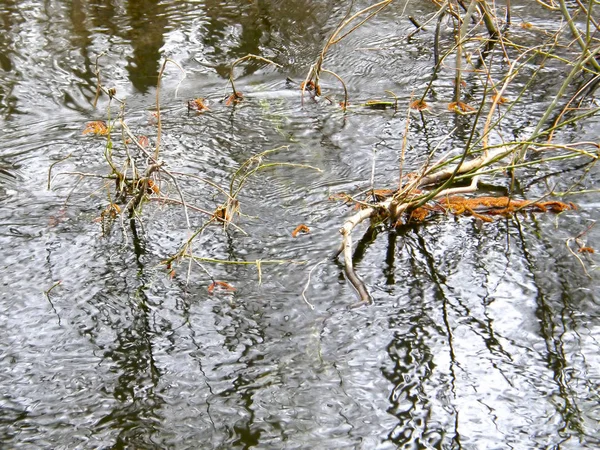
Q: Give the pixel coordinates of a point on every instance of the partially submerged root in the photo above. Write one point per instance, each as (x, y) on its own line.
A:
(388, 206)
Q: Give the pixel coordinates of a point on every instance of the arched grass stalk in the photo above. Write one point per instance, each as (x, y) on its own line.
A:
(348, 25)
(227, 211)
(158, 118)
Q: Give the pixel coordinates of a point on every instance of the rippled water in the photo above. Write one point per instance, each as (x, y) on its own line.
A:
(479, 337)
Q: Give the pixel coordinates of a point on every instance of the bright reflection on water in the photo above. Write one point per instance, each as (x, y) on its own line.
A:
(480, 336)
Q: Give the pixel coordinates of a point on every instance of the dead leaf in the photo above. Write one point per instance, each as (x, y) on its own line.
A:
(484, 207)
(586, 250)
(143, 141)
(97, 127)
(220, 284)
(499, 101)
(198, 104)
(460, 107)
(419, 105)
(300, 229)
(234, 98)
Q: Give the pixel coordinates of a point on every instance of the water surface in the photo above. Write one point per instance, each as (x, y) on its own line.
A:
(479, 336)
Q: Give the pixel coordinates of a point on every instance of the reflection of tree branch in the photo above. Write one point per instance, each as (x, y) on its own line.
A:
(556, 358)
(439, 282)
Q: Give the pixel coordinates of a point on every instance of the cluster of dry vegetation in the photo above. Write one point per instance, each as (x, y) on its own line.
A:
(481, 37)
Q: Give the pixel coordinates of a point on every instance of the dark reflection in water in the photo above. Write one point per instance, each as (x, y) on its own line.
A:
(9, 17)
(136, 392)
(148, 22)
(481, 335)
(136, 35)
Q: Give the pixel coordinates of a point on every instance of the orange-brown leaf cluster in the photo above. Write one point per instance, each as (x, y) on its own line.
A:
(300, 229)
(460, 107)
(484, 207)
(419, 105)
(586, 250)
(97, 127)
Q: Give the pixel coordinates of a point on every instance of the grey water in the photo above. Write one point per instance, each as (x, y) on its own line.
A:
(481, 336)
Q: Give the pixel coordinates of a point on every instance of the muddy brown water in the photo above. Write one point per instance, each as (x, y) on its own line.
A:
(480, 336)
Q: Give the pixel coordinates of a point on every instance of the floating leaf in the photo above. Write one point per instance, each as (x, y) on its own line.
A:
(97, 127)
(198, 104)
(220, 284)
(300, 229)
(419, 105)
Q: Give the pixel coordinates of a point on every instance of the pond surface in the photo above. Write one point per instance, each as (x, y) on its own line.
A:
(480, 335)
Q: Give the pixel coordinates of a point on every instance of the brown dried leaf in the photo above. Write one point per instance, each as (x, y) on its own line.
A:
(499, 101)
(97, 127)
(153, 187)
(300, 229)
(198, 104)
(419, 105)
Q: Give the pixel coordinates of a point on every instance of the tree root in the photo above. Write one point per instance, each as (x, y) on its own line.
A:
(413, 200)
